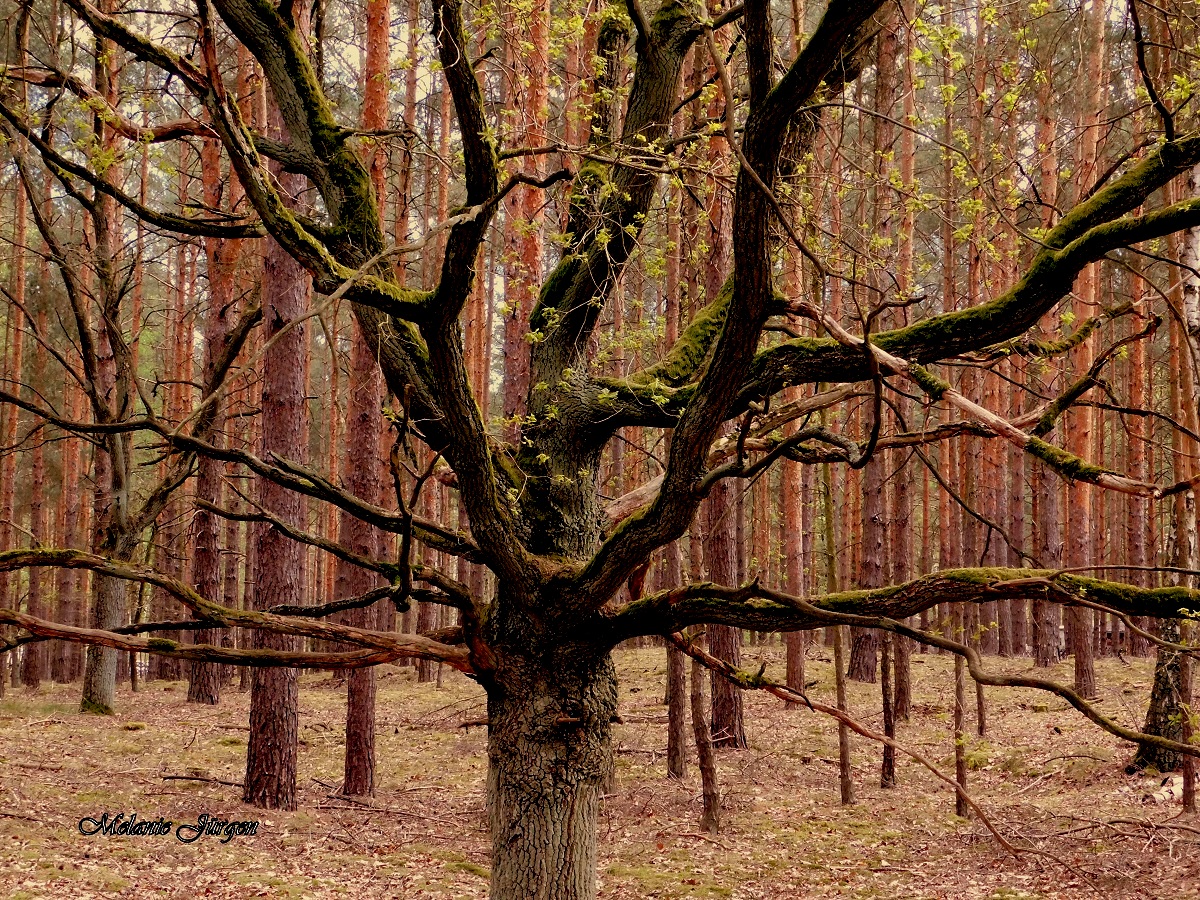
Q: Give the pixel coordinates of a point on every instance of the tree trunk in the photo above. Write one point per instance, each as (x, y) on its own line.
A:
(960, 719)
(204, 679)
(710, 817)
(845, 774)
(1048, 533)
(1164, 716)
(100, 667)
(791, 481)
(362, 432)
(864, 642)
(32, 670)
(271, 755)
(15, 335)
(549, 757)
(676, 679)
(887, 771)
(362, 427)
(720, 553)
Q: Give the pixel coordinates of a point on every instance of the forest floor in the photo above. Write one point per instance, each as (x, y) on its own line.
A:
(1046, 777)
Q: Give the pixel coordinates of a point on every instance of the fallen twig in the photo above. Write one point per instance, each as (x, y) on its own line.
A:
(202, 778)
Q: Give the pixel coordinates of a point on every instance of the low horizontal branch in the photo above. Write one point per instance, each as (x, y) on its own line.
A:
(353, 659)
(199, 606)
(759, 608)
(974, 663)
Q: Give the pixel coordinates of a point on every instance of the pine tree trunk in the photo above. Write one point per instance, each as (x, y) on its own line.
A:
(279, 562)
(845, 774)
(204, 679)
(34, 663)
(887, 771)
(790, 479)
(864, 642)
(960, 719)
(362, 428)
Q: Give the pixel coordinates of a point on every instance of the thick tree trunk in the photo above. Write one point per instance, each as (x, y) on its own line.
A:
(887, 770)
(1047, 529)
(100, 668)
(362, 431)
(15, 335)
(845, 772)
(550, 717)
(35, 654)
(204, 679)
(1163, 717)
(676, 713)
(791, 483)
(362, 427)
(70, 581)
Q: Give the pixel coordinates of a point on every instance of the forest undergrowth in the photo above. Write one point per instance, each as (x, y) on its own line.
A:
(1048, 779)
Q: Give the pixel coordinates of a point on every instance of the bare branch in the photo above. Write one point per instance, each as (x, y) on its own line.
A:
(401, 645)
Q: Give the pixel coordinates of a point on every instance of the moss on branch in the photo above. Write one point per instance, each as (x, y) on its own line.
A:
(1066, 464)
(762, 609)
(931, 384)
(684, 360)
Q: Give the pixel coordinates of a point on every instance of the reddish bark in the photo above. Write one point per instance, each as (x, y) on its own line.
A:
(527, 55)
(34, 663)
(279, 564)
(204, 680)
(14, 367)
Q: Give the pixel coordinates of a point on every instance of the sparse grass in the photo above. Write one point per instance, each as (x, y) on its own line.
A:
(784, 836)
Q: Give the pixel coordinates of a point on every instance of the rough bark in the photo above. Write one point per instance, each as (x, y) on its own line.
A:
(274, 725)
(710, 816)
(791, 524)
(677, 696)
(720, 554)
(204, 679)
(1163, 717)
(845, 773)
(864, 645)
(362, 446)
(549, 756)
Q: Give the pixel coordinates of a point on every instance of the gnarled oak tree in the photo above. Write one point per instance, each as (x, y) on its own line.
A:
(541, 643)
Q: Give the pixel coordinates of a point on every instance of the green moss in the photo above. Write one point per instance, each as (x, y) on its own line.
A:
(554, 290)
(1066, 464)
(468, 867)
(614, 25)
(674, 20)
(689, 352)
(97, 709)
(986, 575)
(655, 878)
(161, 645)
(932, 385)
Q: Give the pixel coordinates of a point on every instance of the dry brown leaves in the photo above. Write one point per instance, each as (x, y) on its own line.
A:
(1050, 779)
